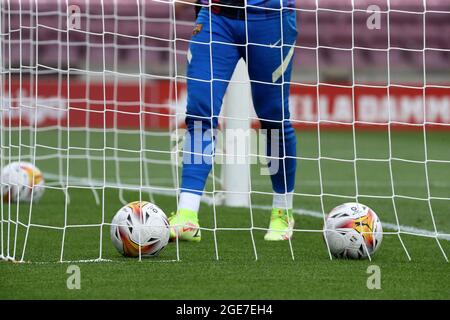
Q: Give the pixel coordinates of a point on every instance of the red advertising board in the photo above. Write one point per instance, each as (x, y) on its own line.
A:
(151, 105)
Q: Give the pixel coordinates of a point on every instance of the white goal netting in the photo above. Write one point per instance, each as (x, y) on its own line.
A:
(94, 94)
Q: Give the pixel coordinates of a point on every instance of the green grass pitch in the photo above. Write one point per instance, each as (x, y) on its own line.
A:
(237, 274)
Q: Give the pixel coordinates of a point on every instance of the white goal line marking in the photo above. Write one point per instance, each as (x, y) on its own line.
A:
(93, 261)
(83, 261)
(305, 182)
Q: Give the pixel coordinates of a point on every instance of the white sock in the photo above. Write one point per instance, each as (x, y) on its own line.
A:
(189, 201)
(282, 200)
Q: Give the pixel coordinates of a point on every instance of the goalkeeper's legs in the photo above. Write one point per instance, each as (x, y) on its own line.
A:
(270, 68)
(206, 90)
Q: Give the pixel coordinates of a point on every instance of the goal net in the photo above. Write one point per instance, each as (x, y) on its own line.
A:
(94, 94)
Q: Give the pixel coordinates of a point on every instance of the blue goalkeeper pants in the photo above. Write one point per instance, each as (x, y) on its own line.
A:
(218, 43)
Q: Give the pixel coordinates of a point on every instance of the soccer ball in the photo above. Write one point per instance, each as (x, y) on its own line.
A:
(21, 182)
(140, 227)
(353, 230)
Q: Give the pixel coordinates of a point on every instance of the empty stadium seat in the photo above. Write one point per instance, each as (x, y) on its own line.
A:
(121, 30)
